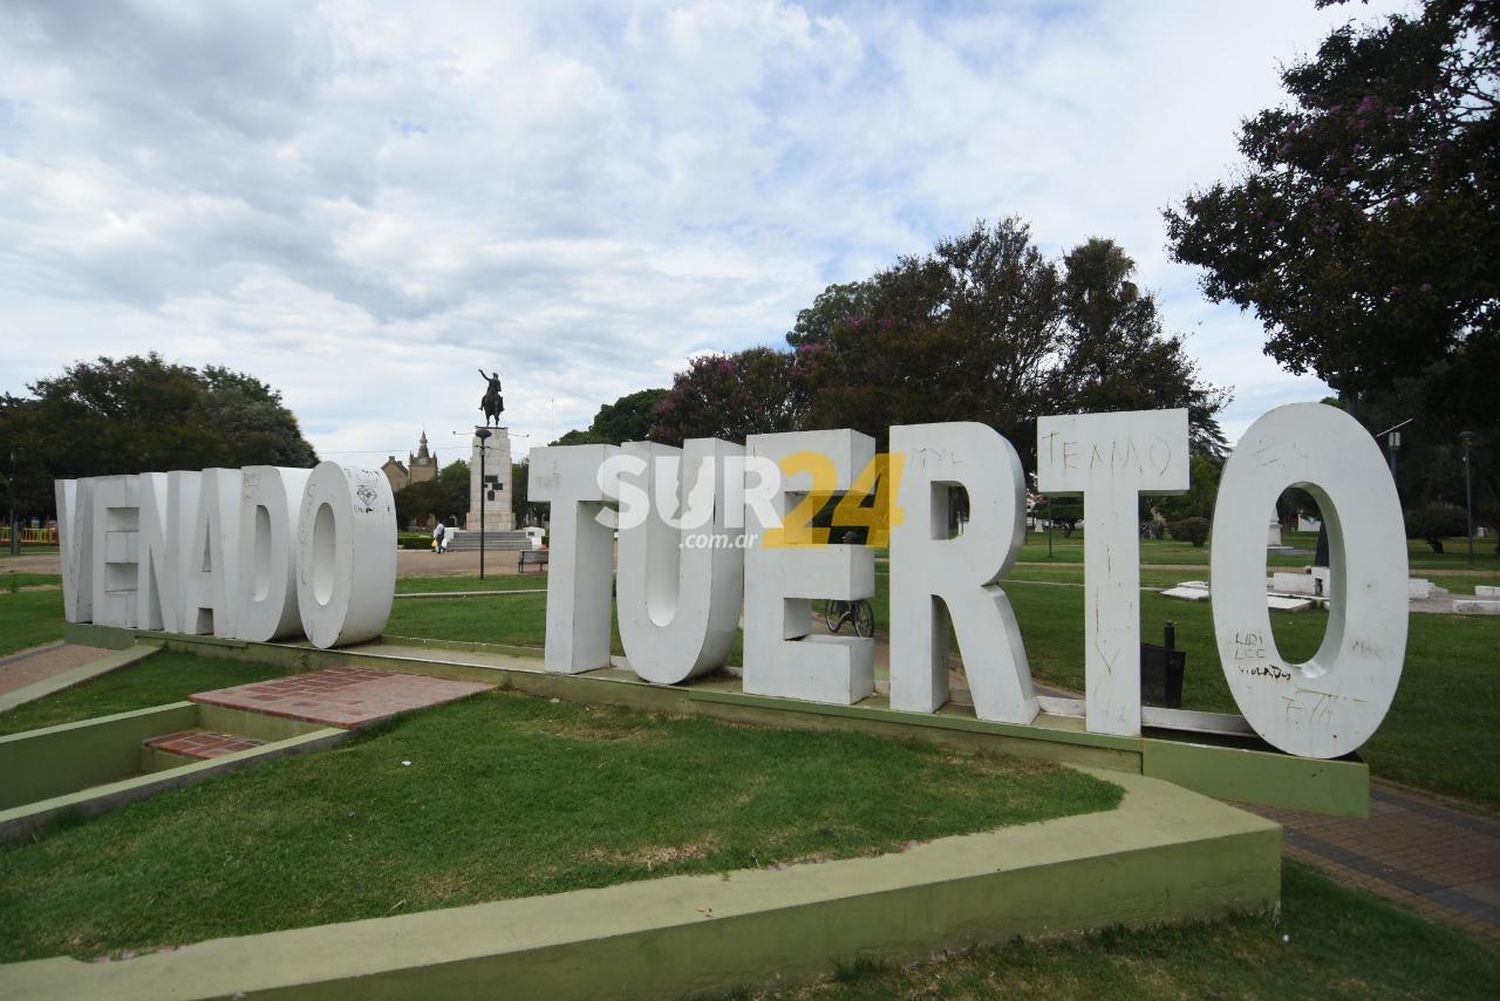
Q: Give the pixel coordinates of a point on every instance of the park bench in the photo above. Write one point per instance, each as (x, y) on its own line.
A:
(533, 557)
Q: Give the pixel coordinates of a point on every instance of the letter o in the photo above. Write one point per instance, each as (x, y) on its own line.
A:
(346, 555)
(1331, 704)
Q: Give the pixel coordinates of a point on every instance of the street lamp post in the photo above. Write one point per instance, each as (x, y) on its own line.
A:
(15, 534)
(1467, 437)
(1393, 439)
(483, 434)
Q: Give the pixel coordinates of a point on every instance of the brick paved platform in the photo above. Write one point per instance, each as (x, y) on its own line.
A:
(201, 744)
(1443, 862)
(341, 696)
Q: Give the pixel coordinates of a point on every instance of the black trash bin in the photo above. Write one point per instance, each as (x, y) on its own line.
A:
(1162, 668)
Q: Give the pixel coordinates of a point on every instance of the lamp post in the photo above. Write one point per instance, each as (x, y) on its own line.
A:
(15, 535)
(1467, 437)
(483, 434)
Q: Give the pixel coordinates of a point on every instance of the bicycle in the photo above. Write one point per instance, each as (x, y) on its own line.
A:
(857, 613)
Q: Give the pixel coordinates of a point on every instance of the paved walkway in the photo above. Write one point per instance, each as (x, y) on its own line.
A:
(40, 663)
(1441, 861)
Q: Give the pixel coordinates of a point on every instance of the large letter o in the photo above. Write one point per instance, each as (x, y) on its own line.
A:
(1330, 705)
(346, 555)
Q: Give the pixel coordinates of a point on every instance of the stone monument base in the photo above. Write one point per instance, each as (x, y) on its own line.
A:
(490, 481)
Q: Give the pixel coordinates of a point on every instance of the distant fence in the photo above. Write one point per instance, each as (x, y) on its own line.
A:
(30, 536)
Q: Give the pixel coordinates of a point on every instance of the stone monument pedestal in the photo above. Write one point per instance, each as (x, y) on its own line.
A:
(496, 485)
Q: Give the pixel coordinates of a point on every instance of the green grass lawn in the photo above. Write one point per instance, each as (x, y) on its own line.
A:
(449, 582)
(161, 678)
(1166, 552)
(1442, 733)
(1443, 730)
(29, 618)
(504, 796)
(1328, 942)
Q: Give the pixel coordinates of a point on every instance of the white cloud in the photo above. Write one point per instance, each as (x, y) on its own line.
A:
(362, 203)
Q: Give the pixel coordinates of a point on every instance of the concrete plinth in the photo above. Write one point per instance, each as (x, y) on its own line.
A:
(496, 485)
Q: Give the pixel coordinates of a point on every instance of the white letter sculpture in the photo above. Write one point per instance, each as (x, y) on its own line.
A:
(781, 658)
(1333, 703)
(678, 603)
(210, 560)
(75, 528)
(935, 578)
(581, 566)
(1110, 459)
(116, 536)
(267, 583)
(346, 554)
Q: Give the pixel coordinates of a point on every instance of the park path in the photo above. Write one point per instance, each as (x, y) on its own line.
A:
(1442, 861)
(27, 667)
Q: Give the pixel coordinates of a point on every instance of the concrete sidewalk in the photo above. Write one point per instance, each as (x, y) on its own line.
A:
(18, 670)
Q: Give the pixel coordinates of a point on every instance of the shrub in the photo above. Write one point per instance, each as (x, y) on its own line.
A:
(1194, 530)
(1435, 523)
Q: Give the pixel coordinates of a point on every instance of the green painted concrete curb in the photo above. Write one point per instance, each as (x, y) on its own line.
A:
(1242, 770)
(1165, 855)
(1338, 787)
(37, 753)
(120, 657)
(60, 760)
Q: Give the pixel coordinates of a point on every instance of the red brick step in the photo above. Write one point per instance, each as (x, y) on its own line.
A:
(201, 744)
(344, 696)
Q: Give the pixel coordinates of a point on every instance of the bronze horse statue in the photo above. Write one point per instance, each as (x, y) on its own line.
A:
(492, 403)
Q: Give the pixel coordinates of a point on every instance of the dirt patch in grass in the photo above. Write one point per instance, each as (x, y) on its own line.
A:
(601, 723)
(653, 857)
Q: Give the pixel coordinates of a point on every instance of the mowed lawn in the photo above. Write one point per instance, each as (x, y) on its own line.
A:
(497, 796)
(1442, 733)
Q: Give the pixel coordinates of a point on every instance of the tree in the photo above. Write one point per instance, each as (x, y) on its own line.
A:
(143, 414)
(629, 418)
(961, 333)
(445, 498)
(730, 396)
(986, 328)
(521, 508)
(1365, 231)
(834, 305)
(584, 437)
(1116, 355)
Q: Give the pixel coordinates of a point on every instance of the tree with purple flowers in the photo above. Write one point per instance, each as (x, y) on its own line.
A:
(1365, 231)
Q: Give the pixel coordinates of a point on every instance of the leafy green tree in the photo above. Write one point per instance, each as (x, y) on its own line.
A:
(961, 333)
(730, 396)
(986, 328)
(629, 418)
(1204, 471)
(1116, 354)
(1365, 232)
(524, 512)
(834, 305)
(584, 437)
(142, 414)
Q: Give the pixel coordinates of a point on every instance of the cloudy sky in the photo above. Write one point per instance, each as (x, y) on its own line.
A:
(363, 203)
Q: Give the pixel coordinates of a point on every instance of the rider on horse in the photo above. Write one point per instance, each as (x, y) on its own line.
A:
(493, 404)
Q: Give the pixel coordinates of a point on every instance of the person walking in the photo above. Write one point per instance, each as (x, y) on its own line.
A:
(439, 537)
